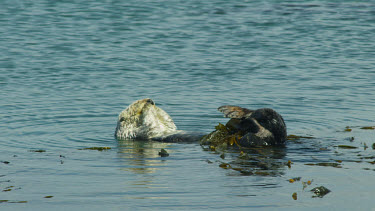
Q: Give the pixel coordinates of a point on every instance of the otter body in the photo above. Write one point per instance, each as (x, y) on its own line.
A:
(144, 120)
(248, 128)
(261, 127)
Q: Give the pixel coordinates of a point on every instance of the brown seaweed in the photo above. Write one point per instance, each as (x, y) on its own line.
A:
(295, 137)
(96, 148)
(38, 150)
(163, 153)
(368, 128)
(336, 165)
(346, 147)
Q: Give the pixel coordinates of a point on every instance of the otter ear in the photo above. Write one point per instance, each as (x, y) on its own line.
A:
(234, 111)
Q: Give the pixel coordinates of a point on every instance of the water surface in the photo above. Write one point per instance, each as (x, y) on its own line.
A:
(68, 68)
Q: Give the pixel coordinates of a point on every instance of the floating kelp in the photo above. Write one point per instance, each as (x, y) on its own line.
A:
(294, 196)
(163, 153)
(96, 148)
(262, 173)
(347, 129)
(10, 201)
(38, 150)
(336, 165)
(289, 164)
(320, 191)
(368, 128)
(373, 146)
(294, 179)
(221, 138)
(48, 197)
(305, 184)
(221, 127)
(346, 147)
(225, 165)
(295, 137)
(10, 188)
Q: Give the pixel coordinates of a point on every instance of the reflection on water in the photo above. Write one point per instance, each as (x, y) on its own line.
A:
(141, 157)
(69, 67)
(262, 161)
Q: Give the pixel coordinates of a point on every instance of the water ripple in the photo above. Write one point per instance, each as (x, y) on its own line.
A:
(68, 68)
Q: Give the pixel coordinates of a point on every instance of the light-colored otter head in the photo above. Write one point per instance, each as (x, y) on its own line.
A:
(143, 120)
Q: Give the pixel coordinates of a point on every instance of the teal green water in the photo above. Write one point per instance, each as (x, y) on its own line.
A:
(69, 67)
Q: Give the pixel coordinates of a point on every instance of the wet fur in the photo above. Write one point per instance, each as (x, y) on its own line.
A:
(259, 127)
(144, 120)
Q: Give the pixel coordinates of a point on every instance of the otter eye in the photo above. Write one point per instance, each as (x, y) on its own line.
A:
(122, 119)
(151, 102)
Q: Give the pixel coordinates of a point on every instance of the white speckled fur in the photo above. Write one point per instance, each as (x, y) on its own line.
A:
(144, 120)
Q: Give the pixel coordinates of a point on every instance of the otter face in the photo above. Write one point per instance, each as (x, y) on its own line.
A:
(271, 124)
(143, 120)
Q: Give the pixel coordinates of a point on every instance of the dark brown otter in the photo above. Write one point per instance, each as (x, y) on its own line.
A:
(259, 127)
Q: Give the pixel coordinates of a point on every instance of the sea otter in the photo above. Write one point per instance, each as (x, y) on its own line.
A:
(144, 120)
(261, 127)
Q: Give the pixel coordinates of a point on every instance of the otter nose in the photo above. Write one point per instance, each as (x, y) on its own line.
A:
(151, 102)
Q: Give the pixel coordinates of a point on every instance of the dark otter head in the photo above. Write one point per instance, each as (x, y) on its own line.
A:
(272, 121)
(259, 127)
(243, 125)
